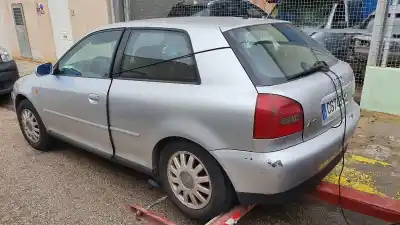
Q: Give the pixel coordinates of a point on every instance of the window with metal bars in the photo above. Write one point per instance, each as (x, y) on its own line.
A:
(18, 16)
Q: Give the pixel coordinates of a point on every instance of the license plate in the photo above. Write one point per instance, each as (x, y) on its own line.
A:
(332, 106)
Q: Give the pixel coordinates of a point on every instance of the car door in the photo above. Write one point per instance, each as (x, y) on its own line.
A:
(156, 74)
(74, 98)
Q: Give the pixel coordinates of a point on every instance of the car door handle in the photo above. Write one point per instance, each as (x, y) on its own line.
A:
(94, 98)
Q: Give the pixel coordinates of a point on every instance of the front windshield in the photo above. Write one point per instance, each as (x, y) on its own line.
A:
(305, 15)
(266, 46)
(204, 12)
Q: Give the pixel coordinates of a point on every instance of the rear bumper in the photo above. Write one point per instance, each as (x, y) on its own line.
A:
(8, 76)
(291, 194)
(277, 177)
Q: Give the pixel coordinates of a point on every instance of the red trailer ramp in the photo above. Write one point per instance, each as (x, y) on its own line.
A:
(383, 208)
(368, 204)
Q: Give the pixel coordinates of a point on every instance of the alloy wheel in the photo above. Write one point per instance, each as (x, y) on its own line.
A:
(189, 180)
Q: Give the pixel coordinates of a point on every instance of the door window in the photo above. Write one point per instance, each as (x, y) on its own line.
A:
(159, 55)
(91, 57)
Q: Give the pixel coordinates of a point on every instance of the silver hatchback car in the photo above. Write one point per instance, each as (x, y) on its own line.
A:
(218, 110)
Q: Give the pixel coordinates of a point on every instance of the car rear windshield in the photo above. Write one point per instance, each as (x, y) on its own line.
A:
(275, 53)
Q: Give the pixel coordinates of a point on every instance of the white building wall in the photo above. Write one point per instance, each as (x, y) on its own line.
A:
(3, 28)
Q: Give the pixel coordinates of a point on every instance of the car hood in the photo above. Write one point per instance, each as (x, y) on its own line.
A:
(310, 30)
(365, 37)
(354, 31)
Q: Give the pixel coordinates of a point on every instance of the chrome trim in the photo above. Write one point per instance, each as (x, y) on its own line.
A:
(76, 119)
(125, 131)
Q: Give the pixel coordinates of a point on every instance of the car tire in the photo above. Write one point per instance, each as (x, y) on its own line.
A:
(220, 197)
(32, 127)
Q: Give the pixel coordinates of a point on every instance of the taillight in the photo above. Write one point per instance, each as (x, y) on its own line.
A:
(277, 116)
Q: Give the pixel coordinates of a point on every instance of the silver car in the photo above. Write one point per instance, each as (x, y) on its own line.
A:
(216, 109)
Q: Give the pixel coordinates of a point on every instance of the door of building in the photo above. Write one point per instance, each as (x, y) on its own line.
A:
(22, 32)
(61, 23)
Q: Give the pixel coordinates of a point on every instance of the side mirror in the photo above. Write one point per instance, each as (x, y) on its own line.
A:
(44, 69)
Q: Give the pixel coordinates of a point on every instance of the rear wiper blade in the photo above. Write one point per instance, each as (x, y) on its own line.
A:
(317, 67)
(253, 43)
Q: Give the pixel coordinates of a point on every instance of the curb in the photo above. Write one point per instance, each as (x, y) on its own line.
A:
(376, 206)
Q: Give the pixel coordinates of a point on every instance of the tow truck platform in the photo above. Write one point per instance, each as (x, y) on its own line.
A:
(383, 208)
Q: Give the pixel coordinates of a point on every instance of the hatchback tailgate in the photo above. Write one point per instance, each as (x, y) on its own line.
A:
(317, 95)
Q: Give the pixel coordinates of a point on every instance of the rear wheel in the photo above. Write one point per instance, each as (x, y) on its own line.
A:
(32, 126)
(194, 181)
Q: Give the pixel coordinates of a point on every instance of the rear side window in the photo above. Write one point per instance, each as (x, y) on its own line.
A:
(159, 55)
(275, 53)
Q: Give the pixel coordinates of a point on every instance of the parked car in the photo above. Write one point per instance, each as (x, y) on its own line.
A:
(362, 41)
(328, 17)
(186, 8)
(8, 72)
(235, 8)
(212, 121)
(329, 25)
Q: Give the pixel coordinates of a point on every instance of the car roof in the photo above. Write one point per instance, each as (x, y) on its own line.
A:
(187, 23)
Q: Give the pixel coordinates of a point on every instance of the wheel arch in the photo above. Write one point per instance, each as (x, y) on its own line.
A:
(18, 99)
(21, 97)
(163, 142)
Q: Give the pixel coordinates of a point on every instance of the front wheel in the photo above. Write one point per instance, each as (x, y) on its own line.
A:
(194, 181)
(32, 126)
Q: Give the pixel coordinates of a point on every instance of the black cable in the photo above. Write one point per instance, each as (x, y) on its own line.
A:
(343, 118)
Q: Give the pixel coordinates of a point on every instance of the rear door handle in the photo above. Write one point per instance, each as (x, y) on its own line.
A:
(94, 98)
